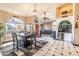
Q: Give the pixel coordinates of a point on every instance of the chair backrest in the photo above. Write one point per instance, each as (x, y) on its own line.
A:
(14, 35)
(33, 36)
(15, 39)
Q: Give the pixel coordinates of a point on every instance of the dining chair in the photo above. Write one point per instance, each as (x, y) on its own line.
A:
(17, 42)
(33, 37)
(30, 40)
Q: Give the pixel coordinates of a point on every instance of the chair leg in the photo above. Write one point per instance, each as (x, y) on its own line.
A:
(13, 46)
(31, 46)
(35, 42)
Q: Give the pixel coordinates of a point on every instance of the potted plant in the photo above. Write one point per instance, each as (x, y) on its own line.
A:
(1, 32)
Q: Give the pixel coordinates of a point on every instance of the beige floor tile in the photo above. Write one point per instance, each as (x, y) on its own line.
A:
(50, 53)
(66, 50)
(73, 50)
(66, 54)
(55, 48)
(58, 54)
(59, 49)
(74, 54)
(19, 53)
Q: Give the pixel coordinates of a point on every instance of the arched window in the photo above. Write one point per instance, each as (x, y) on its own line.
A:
(13, 23)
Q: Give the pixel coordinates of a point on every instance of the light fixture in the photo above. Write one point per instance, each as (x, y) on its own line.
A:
(35, 13)
(45, 18)
(34, 10)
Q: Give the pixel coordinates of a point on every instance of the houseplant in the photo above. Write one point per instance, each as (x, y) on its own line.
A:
(1, 32)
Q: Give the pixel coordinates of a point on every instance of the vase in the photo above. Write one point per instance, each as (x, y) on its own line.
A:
(76, 25)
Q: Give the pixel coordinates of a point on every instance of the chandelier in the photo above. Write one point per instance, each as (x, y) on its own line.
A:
(35, 10)
(45, 17)
(35, 14)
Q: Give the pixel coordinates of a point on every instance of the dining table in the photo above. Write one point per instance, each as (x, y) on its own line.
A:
(25, 37)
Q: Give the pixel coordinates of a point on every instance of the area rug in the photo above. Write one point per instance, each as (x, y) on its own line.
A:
(27, 51)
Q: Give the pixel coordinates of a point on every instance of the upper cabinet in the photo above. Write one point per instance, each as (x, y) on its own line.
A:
(64, 10)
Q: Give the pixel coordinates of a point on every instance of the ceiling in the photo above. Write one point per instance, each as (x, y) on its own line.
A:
(26, 9)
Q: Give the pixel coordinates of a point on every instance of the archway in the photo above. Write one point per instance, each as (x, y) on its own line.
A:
(65, 30)
(65, 26)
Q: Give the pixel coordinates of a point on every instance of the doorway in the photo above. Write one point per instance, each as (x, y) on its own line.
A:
(37, 30)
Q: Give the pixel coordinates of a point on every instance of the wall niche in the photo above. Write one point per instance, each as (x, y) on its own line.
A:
(64, 10)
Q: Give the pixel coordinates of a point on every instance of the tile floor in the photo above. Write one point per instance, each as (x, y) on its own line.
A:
(58, 48)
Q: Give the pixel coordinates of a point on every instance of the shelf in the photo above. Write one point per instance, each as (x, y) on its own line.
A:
(66, 9)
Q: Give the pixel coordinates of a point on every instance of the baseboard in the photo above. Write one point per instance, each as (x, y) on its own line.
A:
(76, 44)
(7, 41)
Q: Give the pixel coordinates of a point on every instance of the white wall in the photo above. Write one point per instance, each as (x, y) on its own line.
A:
(76, 31)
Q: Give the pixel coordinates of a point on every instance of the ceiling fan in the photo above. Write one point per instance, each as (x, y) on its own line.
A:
(46, 18)
(44, 13)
